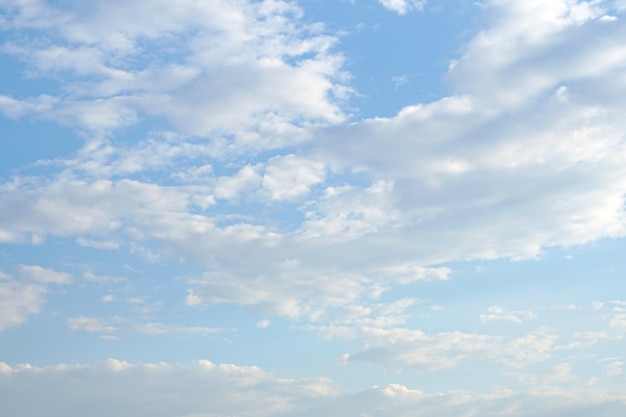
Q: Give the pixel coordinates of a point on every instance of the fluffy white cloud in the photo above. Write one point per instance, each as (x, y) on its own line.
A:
(246, 179)
(288, 177)
(205, 389)
(251, 71)
(528, 152)
(75, 207)
(348, 212)
(21, 298)
(18, 301)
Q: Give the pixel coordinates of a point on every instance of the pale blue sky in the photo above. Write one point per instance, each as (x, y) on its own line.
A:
(350, 208)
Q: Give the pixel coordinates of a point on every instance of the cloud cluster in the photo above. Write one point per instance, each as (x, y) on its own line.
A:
(260, 183)
(528, 151)
(245, 170)
(248, 72)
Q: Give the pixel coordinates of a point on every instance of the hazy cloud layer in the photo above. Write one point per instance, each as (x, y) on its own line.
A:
(206, 389)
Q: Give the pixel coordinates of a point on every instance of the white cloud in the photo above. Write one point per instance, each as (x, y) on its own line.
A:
(403, 6)
(555, 375)
(289, 177)
(263, 324)
(90, 324)
(101, 158)
(174, 390)
(18, 301)
(527, 153)
(116, 326)
(161, 329)
(401, 348)
(407, 273)
(399, 80)
(14, 108)
(25, 297)
(44, 275)
(203, 389)
(246, 179)
(618, 321)
(352, 321)
(495, 313)
(285, 290)
(102, 279)
(77, 207)
(348, 213)
(251, 70)
(613, 368)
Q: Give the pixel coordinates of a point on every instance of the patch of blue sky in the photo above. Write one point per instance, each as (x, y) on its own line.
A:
(396, 60)
(28, 138)
(550, 292)
(31, 146)
(18, 80)
(550, 281)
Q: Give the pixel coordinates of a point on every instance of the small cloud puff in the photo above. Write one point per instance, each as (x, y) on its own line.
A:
(496, 313)
(44, 276)
(263, 324)
(403, 6)
(108, 298)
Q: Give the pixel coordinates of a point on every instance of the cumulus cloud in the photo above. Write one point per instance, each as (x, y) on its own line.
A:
(442, 180)
(246, 70)
(246, 179)
(526, 153)
(74, 207)
(288, 177)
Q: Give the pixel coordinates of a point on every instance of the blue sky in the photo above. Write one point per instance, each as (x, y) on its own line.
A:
(351, 208)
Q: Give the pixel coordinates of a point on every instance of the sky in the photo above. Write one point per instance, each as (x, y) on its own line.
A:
(271, 208)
